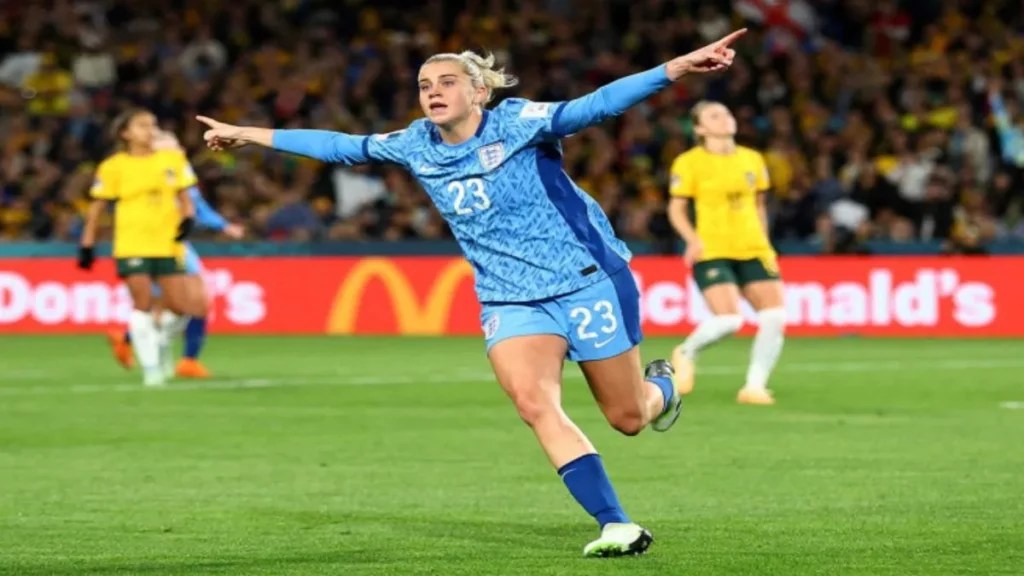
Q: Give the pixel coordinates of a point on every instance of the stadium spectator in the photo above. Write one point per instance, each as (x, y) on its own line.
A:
(889, 120)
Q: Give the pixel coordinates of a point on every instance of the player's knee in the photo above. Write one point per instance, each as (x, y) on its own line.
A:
(200, 308)
(532, 404)
(142, 303)
(176, 305)
(627, 420)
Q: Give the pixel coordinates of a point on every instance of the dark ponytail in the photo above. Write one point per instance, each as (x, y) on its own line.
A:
(120, 123)
(695, 114)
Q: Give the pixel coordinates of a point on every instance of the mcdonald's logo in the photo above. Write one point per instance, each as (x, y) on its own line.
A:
(413, 316)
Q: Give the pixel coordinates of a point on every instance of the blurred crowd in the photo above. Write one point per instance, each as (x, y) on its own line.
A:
(880, 120)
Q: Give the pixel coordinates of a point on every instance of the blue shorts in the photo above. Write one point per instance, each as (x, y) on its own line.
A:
(193, 267)
(598, 322)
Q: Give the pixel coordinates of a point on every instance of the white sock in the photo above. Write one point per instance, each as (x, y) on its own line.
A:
(767, 346)
(145, 339)
(710, 331)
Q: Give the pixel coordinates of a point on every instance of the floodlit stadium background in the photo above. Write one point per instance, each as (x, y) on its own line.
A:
(898, 209)
(874, 119)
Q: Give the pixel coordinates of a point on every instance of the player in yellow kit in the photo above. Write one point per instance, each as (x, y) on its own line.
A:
(727, 247)
(152, 215)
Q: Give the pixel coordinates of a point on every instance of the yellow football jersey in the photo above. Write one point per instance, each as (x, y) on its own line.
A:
(147, 212)
(723, 189)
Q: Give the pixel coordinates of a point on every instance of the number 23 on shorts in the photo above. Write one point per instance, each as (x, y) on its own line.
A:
(595, 324)
(595, 330)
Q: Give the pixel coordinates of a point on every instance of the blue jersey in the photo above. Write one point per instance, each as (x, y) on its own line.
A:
(529, 232)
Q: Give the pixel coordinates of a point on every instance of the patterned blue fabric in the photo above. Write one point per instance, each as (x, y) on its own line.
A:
(528, 230)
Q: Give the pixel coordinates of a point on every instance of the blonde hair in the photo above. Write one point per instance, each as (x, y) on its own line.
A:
(480, 70)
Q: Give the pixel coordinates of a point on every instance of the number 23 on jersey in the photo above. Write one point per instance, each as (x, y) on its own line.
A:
(469, 196)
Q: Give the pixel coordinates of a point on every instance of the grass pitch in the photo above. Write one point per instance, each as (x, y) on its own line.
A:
(402, 456)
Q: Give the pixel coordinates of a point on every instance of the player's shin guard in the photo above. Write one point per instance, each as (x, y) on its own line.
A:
(767, 347)
(146, 343)
(710, 331)
(588, 483)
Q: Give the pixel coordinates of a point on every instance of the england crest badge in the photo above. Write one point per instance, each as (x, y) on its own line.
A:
(491, 156)
(491, 326)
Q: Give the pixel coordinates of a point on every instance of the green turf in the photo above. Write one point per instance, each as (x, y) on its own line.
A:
(386, 456)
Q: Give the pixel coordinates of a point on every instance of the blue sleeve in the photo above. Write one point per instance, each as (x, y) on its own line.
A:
(608, 101)
(324, 145)
(394, 146)
(206, 215)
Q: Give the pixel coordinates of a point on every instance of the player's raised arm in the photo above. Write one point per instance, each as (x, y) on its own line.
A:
(323, 145)
(617, 97)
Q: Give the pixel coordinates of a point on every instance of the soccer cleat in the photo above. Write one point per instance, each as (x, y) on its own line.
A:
(122, 350)
(153, 378)
(666, 419)
(684, 369)
(755, 397)
(619, 540)
(191, 368)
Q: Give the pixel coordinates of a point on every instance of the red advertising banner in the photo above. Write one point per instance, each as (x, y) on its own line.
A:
(899, 296)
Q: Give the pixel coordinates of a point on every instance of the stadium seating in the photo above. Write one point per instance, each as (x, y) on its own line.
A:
(875, 119)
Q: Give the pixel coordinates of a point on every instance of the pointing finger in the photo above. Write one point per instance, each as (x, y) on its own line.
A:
(208, 121)
(730, 38)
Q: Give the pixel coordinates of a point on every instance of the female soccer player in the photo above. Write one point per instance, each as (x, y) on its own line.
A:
(153, 215)
(727, 247)
(552, 278)
(195, 327)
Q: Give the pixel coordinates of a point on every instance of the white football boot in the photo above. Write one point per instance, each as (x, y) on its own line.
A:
(619, 540)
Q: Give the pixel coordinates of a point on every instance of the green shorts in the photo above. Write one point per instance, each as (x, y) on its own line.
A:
(738, 272)
(152, 267)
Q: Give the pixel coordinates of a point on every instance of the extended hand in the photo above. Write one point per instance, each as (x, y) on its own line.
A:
(694, 251)
(235, 231)
(221, 136)
(711, 58)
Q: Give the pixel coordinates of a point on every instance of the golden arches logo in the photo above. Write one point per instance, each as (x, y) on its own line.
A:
(411, 317)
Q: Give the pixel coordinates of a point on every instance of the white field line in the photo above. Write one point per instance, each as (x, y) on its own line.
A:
(465, 377)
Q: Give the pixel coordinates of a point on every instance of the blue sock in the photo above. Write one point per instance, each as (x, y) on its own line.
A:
(589, 485)
(664, 383)
(195, 337)
(127, 336)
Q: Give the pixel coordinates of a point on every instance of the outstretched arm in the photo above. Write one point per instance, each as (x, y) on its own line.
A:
(323, 145)
(617, 97)
(206, 215)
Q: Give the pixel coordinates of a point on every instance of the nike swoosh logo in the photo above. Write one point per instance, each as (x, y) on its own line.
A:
(603, 342)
